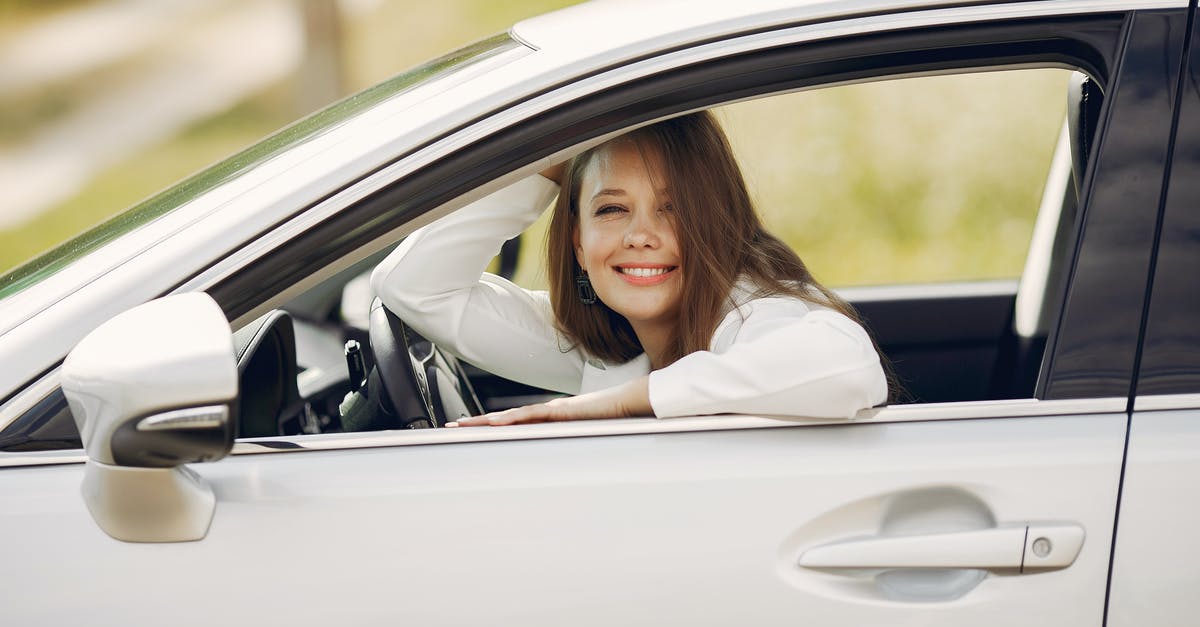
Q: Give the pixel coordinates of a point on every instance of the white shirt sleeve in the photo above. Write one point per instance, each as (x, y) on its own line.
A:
(788, 358)
(435, 282)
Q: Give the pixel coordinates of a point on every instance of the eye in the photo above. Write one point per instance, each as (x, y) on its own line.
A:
(608, 210)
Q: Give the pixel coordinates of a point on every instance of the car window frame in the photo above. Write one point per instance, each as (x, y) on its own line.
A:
(610, 112)
(1096, 344)
(1169, 364)
(1093, 44)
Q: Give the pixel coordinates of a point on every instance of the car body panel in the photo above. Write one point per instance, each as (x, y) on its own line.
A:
(1154, 556)
(1156, 548)
(635, 28)
(692, 521)
(696, 528)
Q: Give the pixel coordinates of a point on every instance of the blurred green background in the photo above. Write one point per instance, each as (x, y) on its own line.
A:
(368, 41)
(911, 180)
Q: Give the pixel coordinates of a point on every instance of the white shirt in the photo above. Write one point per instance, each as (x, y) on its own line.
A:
(775, 355)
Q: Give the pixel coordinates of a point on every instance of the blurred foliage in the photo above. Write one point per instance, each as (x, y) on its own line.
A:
(16, 13)
(381, 43)
(128, 182)
(909, 180)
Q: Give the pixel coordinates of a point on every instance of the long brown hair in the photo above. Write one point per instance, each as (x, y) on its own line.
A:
(721, 240)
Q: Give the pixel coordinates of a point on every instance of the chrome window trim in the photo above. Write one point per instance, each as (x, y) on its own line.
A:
(1166, 402)
(954, 289)
(929, 412)
(42, 458)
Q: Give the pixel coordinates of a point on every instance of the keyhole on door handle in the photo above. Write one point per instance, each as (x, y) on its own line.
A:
(1041, 547)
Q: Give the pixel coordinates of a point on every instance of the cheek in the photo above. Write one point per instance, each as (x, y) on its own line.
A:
(671, 243)
(593, 247)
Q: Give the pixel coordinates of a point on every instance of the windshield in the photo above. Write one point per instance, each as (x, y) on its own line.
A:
(156, 206)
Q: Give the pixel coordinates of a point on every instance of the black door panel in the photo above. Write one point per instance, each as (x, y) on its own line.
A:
(951, 348)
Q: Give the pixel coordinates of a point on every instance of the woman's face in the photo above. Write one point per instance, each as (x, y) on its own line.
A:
(625, 239)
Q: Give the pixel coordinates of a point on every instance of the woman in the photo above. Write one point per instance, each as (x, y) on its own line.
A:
(667, 296)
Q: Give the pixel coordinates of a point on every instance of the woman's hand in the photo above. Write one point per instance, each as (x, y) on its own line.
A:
(627, 400)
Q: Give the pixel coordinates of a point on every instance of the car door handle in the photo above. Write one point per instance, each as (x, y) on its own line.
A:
(1020, 548)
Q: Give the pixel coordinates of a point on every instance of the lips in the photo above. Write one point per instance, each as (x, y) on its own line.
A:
(645, 274)
(642, 272)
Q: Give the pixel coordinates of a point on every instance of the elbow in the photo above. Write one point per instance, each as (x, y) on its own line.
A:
(385, 284)
(858, 389)
(859, 381)
(838, 395)
(396, 283)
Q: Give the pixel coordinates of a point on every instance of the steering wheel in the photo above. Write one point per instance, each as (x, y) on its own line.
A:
(423, 386)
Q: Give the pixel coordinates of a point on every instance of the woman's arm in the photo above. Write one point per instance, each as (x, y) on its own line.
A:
(785, 360)
(626, 400)
(435, 282)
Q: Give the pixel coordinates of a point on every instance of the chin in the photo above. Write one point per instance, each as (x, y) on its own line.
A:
(646, 314)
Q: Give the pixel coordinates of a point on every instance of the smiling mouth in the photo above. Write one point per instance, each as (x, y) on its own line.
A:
(645, 275)
(644, 272)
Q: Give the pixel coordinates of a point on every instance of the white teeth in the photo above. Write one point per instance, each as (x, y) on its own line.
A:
(644, 271)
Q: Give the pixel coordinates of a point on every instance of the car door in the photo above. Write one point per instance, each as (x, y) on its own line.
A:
(1156, 545)
(981, 512)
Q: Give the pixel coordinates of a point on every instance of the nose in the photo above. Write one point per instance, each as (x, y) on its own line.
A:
(643, 230)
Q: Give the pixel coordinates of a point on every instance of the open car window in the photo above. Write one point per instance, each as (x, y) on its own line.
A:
(972, 336)
(918, 199)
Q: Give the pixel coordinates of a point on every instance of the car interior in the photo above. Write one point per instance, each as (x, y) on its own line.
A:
(981, 345)
(333, 359)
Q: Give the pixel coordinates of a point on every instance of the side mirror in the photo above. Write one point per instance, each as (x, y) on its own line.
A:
(153, 389)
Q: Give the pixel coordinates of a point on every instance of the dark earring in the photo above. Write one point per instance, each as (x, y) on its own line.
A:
(583, 285)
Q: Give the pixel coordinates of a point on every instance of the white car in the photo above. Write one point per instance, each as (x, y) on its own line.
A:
(1040, 478)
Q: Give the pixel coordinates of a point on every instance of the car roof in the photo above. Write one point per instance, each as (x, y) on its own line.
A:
(605, 25)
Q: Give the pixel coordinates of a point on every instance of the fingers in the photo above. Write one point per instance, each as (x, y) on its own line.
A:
(521, 415)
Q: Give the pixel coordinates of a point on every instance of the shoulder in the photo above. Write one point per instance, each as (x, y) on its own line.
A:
(749, 315)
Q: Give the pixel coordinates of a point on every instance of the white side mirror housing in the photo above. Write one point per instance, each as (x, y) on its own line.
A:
(152, 389)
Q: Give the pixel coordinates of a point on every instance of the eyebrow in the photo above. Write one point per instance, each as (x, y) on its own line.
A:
(610, 191)
(613, 191)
